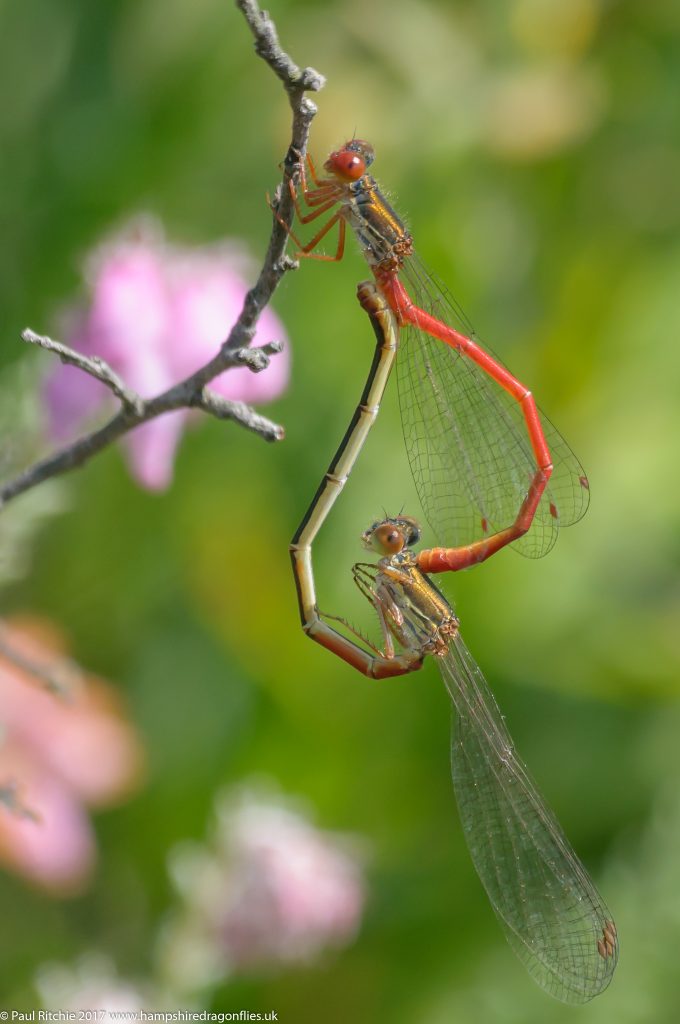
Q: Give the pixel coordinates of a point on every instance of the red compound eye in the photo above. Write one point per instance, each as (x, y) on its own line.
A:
(346, 165)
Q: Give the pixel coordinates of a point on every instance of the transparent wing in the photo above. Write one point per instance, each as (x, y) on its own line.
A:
(467, 440)
(550, 910)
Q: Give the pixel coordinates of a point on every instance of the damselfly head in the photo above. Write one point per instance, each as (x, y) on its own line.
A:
(390, 536)
(349, 163)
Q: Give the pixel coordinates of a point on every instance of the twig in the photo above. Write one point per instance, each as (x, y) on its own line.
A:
(94, 366)
(10, 797)
(136, 410)
(234, 351)
(60, 679)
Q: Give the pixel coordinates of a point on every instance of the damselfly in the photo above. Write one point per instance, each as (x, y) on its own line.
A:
(552, 914)
(475, 438)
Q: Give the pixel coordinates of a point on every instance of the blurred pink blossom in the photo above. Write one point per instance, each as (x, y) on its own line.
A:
(58, 756)
(156, 313)
(270, 889)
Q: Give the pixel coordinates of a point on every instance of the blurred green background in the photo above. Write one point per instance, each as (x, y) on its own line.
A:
(533, 148)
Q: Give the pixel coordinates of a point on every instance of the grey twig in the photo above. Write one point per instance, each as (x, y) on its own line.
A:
(61, 679)
(94, 366)
(11, 799)
(135, 410)
(235, 350)
(267, 46)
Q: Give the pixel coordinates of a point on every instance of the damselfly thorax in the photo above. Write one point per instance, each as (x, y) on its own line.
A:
(415, 611)
(383, 238)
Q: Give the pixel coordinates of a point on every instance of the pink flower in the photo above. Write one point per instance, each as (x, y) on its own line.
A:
(58, 756)
(157, 313)
(294, 889)
(271, 889)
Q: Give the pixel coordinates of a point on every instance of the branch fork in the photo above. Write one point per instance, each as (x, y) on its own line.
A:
(193, 392)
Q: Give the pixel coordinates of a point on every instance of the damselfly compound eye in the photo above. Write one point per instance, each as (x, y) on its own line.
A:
(413, 536)
(365, 149)
(388, 538)
(347, 165)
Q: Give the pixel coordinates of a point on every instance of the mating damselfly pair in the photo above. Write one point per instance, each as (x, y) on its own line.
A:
(490, 470)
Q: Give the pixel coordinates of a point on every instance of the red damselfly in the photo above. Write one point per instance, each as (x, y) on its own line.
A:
(476, 441)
